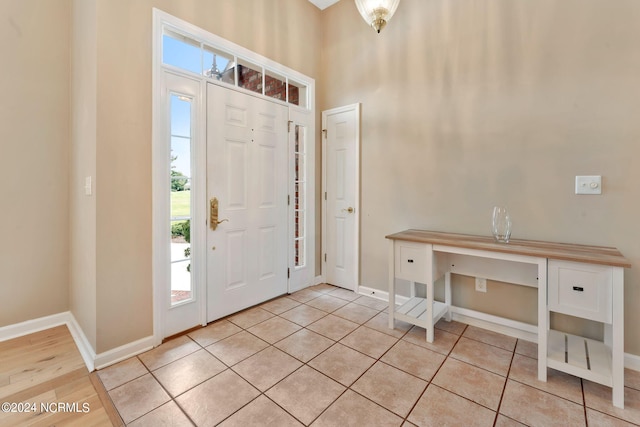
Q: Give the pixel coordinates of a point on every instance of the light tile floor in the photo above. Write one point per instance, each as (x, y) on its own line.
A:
(325, 357)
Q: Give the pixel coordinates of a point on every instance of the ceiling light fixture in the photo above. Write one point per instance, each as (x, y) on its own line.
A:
(377, 12)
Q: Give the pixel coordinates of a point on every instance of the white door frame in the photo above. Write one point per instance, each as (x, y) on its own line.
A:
(160, 156)
(356, 243)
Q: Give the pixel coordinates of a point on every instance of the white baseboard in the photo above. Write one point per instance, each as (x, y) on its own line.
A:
(318, 280)
(99, 361)
(34, 325)
(500, 325)
(518, 330)
(91, 360)
(381, 295)
(493, 323)
(373, 293)
(123, 352)
(631, 361)
(47, 322)
(514, 329)
(84, 346)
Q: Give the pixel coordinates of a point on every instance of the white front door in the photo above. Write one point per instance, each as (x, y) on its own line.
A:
(247, 174)
(341, 200)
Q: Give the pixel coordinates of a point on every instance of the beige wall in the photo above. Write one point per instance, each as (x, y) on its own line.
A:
(76, 82)
(466, 105)
(286, 31)
(34, 141)
(82, 208)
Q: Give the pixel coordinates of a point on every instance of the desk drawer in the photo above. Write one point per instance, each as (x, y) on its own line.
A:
(581, 290)
(411, 261)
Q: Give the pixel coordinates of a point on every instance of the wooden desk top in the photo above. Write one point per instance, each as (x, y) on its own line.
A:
(562, 251)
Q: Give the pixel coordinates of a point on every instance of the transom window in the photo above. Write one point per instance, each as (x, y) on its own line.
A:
(187, 54)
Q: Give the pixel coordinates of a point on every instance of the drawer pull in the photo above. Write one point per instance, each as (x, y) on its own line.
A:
(578, 288)
(410, 261)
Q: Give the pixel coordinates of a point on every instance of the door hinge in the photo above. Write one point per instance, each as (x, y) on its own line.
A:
(325, 195)
(325, 257)
(324, 132)
(288, 199)
(289, 125)
(288, 273)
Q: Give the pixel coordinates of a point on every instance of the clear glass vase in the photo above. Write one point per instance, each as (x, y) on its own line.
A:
(501, 224)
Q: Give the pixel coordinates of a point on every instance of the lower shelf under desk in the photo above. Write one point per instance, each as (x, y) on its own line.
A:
(414, 311)
(579, 356)
(420, 256)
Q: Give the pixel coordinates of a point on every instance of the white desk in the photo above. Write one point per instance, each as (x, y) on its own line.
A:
(577, 280)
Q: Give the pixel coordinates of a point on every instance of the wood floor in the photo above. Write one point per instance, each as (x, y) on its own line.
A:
(44, 382)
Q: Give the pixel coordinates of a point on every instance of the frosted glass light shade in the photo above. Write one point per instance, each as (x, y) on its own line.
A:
(377, 12)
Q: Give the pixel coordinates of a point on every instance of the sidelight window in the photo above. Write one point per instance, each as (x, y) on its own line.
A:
(299, 199)
(180, 197)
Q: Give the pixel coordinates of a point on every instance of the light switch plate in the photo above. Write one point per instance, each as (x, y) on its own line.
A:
(591, 184)
(88, 190)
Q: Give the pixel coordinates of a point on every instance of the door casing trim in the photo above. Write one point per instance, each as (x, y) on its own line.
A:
(357, 108)
(161, 19)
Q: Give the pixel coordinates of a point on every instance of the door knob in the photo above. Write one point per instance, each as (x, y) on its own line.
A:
(213, 214)
(349, 210)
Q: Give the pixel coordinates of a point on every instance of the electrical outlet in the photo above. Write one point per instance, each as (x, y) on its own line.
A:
(481, 284)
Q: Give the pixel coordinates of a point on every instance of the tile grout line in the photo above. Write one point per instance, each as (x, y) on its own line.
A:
(406, 419)
(230, 367)
(506, 380)
(303, 363)
(360, 324)
(346, 388)
(246, 329)
(171, 397)
(584, 403)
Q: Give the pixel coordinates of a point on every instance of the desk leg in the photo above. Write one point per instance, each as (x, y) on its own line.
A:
(616, 335)
(447, 295)
(392, 285)
(429, 296)
(543, 320)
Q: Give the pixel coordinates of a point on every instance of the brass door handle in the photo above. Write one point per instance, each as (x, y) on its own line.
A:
(349, 210)
(213, 214)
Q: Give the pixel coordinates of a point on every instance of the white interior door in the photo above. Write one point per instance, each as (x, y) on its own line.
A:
(341, 153)
(247, 172)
